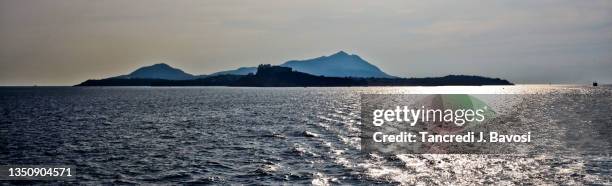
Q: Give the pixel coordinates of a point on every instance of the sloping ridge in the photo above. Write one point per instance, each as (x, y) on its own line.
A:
(239, 71)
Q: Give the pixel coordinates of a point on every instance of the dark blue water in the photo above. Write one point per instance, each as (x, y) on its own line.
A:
(223, 135)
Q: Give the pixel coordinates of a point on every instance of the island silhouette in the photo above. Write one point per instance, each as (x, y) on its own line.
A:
(339, 69)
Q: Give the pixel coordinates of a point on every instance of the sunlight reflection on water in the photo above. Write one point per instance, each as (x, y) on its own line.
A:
(224, 135)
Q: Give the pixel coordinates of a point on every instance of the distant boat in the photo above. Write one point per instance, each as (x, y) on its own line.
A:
(594, 83)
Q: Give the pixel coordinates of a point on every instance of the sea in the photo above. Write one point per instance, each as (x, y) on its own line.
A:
(272, 136)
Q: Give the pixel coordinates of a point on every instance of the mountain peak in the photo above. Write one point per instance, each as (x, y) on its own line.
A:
(157, 67)
(161, 65)
(340, 53)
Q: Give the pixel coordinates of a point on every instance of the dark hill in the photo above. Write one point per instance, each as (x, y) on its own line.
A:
(277, 76)
(158, 71)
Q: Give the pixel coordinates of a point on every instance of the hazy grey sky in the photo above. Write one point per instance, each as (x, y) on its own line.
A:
(63, 42)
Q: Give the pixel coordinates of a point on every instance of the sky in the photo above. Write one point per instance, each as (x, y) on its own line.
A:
(64, 42)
